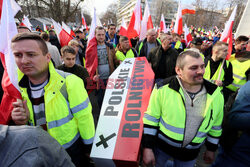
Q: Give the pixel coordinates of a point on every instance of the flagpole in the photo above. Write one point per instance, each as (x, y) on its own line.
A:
(221, 69)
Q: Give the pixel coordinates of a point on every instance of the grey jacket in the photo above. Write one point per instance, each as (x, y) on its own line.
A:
(30, 146)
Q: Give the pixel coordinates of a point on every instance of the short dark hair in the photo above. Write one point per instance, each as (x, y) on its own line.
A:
(180, 59)
(78, 31)
(23, 27)
(68, 49)
(241, 38)
(31, 36)
(99, 28)
(112, 24)
(44, 36)
(123, 38)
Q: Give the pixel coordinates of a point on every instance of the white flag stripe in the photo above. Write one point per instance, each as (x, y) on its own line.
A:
(93, 26)
(66, 28)
(8, 30)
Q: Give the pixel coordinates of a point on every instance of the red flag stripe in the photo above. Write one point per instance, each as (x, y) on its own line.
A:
(150, 23)
(1, 6)
(123, 31)
(64, 38)
(188, 11)
(91, 57)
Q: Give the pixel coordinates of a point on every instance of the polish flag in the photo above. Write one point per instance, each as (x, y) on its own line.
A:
(62, 35)
(67, 29)
(178, 23)
(123, 29)
(91, 50)
(10, 87)
(187, 9)
(163, 25)
(15, 7)
(84, 22)
(135, 21)
(226, 35)
(146, 23)
(26, 23)
(188, 36)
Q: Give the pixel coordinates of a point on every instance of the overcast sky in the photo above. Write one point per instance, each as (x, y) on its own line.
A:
(102, 5)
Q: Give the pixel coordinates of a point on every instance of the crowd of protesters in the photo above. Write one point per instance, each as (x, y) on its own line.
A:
(198, 98)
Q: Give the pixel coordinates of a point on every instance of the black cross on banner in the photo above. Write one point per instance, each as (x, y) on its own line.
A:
(128, 62)
(104, 140)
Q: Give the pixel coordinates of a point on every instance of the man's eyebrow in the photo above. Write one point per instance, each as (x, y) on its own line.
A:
(24, 52)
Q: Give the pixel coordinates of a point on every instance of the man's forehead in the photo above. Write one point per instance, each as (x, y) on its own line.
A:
(26, 42)
(100, 32)
(69, 55)
(192, 61)
(112, 27)
(151, 33)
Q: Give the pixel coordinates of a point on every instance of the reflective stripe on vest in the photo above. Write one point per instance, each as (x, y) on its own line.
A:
(180, 130)
(150, 131)
(120, 55)
(67, 145)
(239, 76)
(207, 74)
(175, 128)
(179, 145)
(88, 141)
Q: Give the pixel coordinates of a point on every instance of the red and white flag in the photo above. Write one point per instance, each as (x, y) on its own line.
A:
(147, 22)
(163, 24)
(62, 35)
(178, 23)
(226, 35)
(84, 22)
(68, 29)
(91, 50)
(187, 9)
(26, 23)
(123, 29)
(10, 87)
(188, 36)
(15, 7)
(135, 21)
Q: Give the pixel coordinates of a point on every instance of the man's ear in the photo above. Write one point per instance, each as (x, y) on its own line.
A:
(178, 70)
(48, 56)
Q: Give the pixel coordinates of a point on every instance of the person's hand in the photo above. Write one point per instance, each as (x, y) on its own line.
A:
(81, 45)
(148, 157)
(218, 82)
(208, 157)
(96, 78)
(20, 113)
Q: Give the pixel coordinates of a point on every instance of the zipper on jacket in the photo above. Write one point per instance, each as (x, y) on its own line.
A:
(211, 118)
